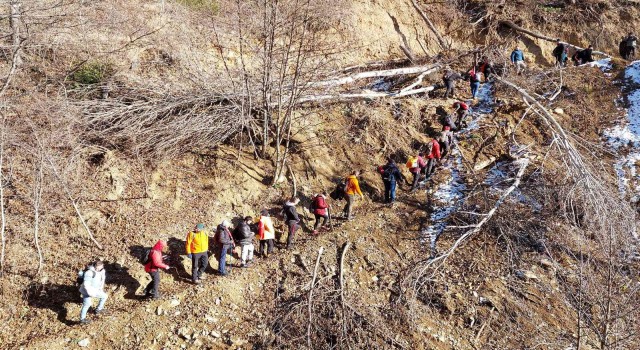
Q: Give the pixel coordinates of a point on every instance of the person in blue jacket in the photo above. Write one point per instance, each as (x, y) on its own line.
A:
(517, 58)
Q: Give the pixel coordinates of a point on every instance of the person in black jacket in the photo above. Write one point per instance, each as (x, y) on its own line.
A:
(291, 218)
(244, 234)
(449, 79)
(224, 241)
(390, 175)
(560, 53)
(585, 56)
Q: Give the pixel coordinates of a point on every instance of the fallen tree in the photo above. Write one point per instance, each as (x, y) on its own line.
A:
(544, 37)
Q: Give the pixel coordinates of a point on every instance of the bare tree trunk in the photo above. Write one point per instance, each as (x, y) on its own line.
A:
(14, 22)
(37, 198)
(313, 282)
(441, 42)
(3, 219)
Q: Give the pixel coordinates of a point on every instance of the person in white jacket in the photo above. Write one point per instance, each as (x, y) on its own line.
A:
(92, 287)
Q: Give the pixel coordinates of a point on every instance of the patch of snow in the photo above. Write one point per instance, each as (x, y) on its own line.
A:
(604, 64)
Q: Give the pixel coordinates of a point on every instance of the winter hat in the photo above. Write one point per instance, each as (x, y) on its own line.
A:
(226, 223)
(199, 227)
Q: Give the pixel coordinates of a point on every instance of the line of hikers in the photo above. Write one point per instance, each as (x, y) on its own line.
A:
(91, 279)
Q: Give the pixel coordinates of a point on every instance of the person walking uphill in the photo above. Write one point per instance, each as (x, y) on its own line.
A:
(433, 156)
(320, 211)
(198, 250)
(224, 241)
(244, 233)
(517, 58)
(415, 165)
(266, 233)
(292, 219)
(352, 188)
(92, 287)
(390, 175)
(560, 53)
(474, 82)
(449, 79)
(155, 262)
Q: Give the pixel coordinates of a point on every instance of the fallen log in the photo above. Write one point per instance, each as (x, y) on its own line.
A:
(366, 95)
(376, 74)
(544, 37)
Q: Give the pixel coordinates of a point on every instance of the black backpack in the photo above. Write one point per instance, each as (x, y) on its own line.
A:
(80, 278)
(389, 173)
(145, 256)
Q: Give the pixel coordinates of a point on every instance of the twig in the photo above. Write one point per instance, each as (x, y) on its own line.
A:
(313, 282)
(441, 41)
(344, 321)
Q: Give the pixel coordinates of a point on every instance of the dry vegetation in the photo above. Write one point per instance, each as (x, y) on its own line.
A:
(122, 121)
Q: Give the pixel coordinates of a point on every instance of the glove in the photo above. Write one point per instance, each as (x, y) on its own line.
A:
(189, 256)
(167, 268)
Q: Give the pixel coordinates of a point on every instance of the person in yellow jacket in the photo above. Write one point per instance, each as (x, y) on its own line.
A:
(351, 189)
(198, 251)
(266, 233)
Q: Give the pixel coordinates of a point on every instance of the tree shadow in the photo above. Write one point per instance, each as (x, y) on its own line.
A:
(175, 249)
(53, 297)
(119, 275)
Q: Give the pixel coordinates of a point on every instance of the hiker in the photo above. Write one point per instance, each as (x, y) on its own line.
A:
(390, 175)
(447, 120)
(92, 286)
(560, 53)
(292, 218)
(320, 210)
(155, 262)
(433, 157)
(630, 46)
(583, 56)
(416, 165)
(244, 234)
(352, 188)
(449, 79)
(474, 82)
(444, 140)
(517, 58)
(462, 110)
(486, 68)
(266, 233)
(198, 251)
(224, 241)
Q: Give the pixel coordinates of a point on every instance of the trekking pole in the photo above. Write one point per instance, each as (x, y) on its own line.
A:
(330, 218)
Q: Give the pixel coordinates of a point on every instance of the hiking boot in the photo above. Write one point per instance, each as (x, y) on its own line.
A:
(85, 321)
(98, 312)
(197, 282)
(202, 277)
(325, 228)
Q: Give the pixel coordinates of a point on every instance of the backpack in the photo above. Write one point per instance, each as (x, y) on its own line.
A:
(388, 174)
(145, 256)
(312, 206)
(80, 277)
(412, 162)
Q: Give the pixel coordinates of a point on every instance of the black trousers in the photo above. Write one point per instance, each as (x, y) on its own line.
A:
(416, 178)
(199, 262)
(152, 287)
(293, 227)
(266, 243)
(450, 91)
(318, 217)
(431, 167)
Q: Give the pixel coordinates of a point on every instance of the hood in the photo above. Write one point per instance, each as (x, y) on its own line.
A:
(160, 245)
(351, 177)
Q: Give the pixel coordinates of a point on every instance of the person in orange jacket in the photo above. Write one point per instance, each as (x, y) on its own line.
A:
(198, 250)
(155, 262)
(266, 233)
(352, 188)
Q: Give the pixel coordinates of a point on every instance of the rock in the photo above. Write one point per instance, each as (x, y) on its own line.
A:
(84, 343)
(198, 343)
(374, 278)
(546, 263)
(215, 334)
(558, 111)
(218, 301)
(211, 319)
(185, 333)
(174, 302)
(159, 311)
(526, 275)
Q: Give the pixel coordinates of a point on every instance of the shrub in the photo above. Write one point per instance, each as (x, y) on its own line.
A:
(92, 73)
(202, 5)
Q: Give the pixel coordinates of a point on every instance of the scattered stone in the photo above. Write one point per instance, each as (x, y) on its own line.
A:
(558, 111)
(211, 319)
(526, 275)
(215, 334)
(198, 343)
(84, 343)
(374, 278)
(185, 333)
(218, 301)
(159, 311)
(546, 263)
(174, 302)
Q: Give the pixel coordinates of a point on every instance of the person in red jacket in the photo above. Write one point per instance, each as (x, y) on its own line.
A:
(433, 156)
(155, 263)
(462, 110)
(416, 168)
(320, 210)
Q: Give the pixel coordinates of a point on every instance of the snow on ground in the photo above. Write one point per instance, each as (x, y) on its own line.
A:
(448, 197)
(625, 137)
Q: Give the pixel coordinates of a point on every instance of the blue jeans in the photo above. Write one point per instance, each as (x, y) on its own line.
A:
(474, 88)
(389, 191)
(87, 301)
(222, 263)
